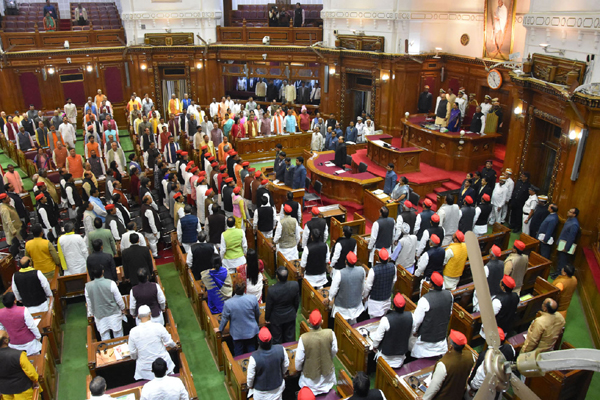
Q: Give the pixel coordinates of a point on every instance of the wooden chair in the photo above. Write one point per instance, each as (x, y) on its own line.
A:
(71, 286)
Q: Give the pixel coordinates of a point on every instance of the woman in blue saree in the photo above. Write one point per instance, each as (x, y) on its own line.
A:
(454, 123)
(218, 285)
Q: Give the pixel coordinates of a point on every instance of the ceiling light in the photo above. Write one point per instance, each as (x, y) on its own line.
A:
(199, 65)
(143, 67)
(572, 135)
(51, 71)
(89, 68)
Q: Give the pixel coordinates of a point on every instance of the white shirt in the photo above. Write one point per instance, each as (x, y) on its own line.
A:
(314, 280)
(150, 215)
(165, 388)
(306, 235)
(423, 349)
(376, 308)
(337, 252)
(112, 322)
(33, 347)
(499, 195)
(347, 313)
(377, 337)
(68, 132)
(147, 342)
(71, 112)
(530, 204)
(43, 307)
(325, 382)
(75, 251)
(408, 248)
(424, 260)
(214, 109)
(274, 394)
(126, 241)
(44, 216)
(510, 185)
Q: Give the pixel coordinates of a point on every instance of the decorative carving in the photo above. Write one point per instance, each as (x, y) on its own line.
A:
(419, 138)
(442, 145)
(464, 39)
(169, 39)
(526, 140)
(428, 142)
(359, 42)
(557, 69)
(475, 149)
(547, 117)
(409, 161)
(486, 146)
(558, 166)
(460, 148)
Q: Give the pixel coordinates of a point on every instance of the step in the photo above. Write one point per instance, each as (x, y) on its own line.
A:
(432, 197)
(451, 185)
(440, 189)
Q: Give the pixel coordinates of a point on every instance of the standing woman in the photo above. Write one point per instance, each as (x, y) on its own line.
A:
(455, 118)
(49, 23)
(251, 272)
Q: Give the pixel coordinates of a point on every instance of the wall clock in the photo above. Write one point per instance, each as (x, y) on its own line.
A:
(494, 79)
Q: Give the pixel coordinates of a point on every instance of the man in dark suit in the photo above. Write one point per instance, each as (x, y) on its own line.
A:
(134, 258)
(289, 172)
(425, 99)
(279, 168)
(278, 160)
(101, 260)
(283, 300)
(340, 153)
(184, 120)
(303, 94)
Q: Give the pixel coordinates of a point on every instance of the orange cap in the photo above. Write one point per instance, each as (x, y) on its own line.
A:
(351, 257)
(315, 317)
(509, 282)
(458, 337)
(495, 250)
(435, 218)
(399, 300)
(437, 279)
(519, 245)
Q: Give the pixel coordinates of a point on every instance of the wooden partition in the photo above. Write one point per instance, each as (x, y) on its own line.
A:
(49, 327)
(279, 35)
(19, 41)
(266, 252)
(500, 236)
(358, 226)
(48, 375)
(531, 243)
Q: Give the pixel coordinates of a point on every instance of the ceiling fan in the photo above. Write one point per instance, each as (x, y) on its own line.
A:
(499, 371)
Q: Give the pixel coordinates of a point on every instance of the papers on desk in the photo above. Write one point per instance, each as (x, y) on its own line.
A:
(526, 297)
(329, 164)
(277, 183)
(379, 142)
(328, 208)
(340, 171)
(350, 142)
(378, 191)
(121, 351)
(382, 196)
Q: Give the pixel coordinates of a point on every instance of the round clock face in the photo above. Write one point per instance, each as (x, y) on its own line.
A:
(494, 79)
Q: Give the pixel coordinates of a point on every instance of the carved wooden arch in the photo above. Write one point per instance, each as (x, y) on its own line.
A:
(158, 83)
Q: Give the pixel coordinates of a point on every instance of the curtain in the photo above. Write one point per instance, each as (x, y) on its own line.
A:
(179, 87)
(30, 87)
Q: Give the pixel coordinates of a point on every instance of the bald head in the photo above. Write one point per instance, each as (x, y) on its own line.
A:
(24, 262)
(550, 306)
(4, 340)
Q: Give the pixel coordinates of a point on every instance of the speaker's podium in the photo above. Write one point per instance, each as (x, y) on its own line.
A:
(280, 192)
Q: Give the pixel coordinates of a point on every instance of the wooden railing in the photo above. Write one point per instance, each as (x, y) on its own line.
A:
(279, 35)
(19, 41)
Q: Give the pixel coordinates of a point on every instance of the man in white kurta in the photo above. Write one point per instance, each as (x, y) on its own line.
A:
(125, 238)
(232, 263)
(116, 154)
(24, 264)
(325, 382)
(147, 342)
(378, 308)
(265, 204)
(290, 253)
(264, 337)
(339, 283)
(162, 386)
(201, 189)
(160, 298)
(67, 132)
(96, 308)
(306, 232)
(394, 361)
(71, 112)
(408, 248)
(529, 208)
(499, 199)
(72, 251)
(510, 186)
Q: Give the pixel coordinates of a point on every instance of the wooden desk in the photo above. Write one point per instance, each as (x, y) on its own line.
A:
(333, 212)
(46, 369)
(394, 383)
(312, 299)
(354, 341)
(404, 159)
(373, 204)
(215, 337)
(7, 269)
(49, 326)
(262, 148)
(336, 229)
(280, 192)
(343, 187)
(449, 150)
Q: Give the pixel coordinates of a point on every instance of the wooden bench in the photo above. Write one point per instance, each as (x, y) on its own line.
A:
(49, 326)
(48, 375)
(470, 323)
(358, 226)
(531, 244)
(71, 286)
(266, 252)
(354, 340)
(500, 237)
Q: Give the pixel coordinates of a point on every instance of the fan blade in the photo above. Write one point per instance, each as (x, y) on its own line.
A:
(488, 318)
(487, 391)
(521, 390)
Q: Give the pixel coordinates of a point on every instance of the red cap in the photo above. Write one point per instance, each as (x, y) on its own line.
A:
(204, 147)
(251, 169)
(501, 334)
(188, 168)
(469, 200)
(40, 184)
(399, 300)
(222, 167)
(3, 196)
(176, 195)
(458, 337)
(315, 317)
(435, 218)
(519, 245)
(211, 158)
(460, 236)
(437, 279)
(495, 250)
(233, 153)
(408, 204)
(245, 163)
(315, 211)
(287, 208)
(509, 282)
(428, 202)
(179, 151)
(257, 174)
(264, 181)
(264, 335)
(190, 163)
(194, 169)
(435, 239)
(184, 153)
(228, 180)
(351, 257)
(306, 394)
(202, 173)
(383, 254)
(214, 164)
(39, 196)
(208, 192)
(486, 197)
(237, 189)
(109, 207)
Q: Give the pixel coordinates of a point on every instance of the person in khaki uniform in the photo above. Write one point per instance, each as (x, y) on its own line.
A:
(10, 219)
(567, 283)
(545, 329)
(516, 265)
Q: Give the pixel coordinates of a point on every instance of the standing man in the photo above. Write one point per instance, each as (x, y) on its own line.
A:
(539, 214)
(382, 234)
(151, 224)
(566, 282)
(545, 329)
(390, 179)
(299, 174)
(499, 199)
(287, 234)
(450, 215)
(243, 314)
(529, 208)
(105, 304)
(31, 287)
(455, 260)
(431, 319)
(188, 228)
(566, 240)
(72, 251)
(516, 265)
(489, 174)
(425, 101)
(347, 287)
(452, 371)
(283, 300)
(391, 340)
(547, 230)
(343, 246)
(20, 326)
(379, 285)
(11, 222)
(266, 368)
(519, 197)
(71, 112)
(233, 246)
(315, 261)
(340, 153)
(483, 211)
(314, 356)
(18, 376)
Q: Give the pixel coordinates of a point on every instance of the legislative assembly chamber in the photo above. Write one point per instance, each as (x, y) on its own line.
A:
(325, 199)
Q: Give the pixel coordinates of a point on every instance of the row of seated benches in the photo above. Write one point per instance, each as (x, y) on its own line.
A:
(257, 15)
